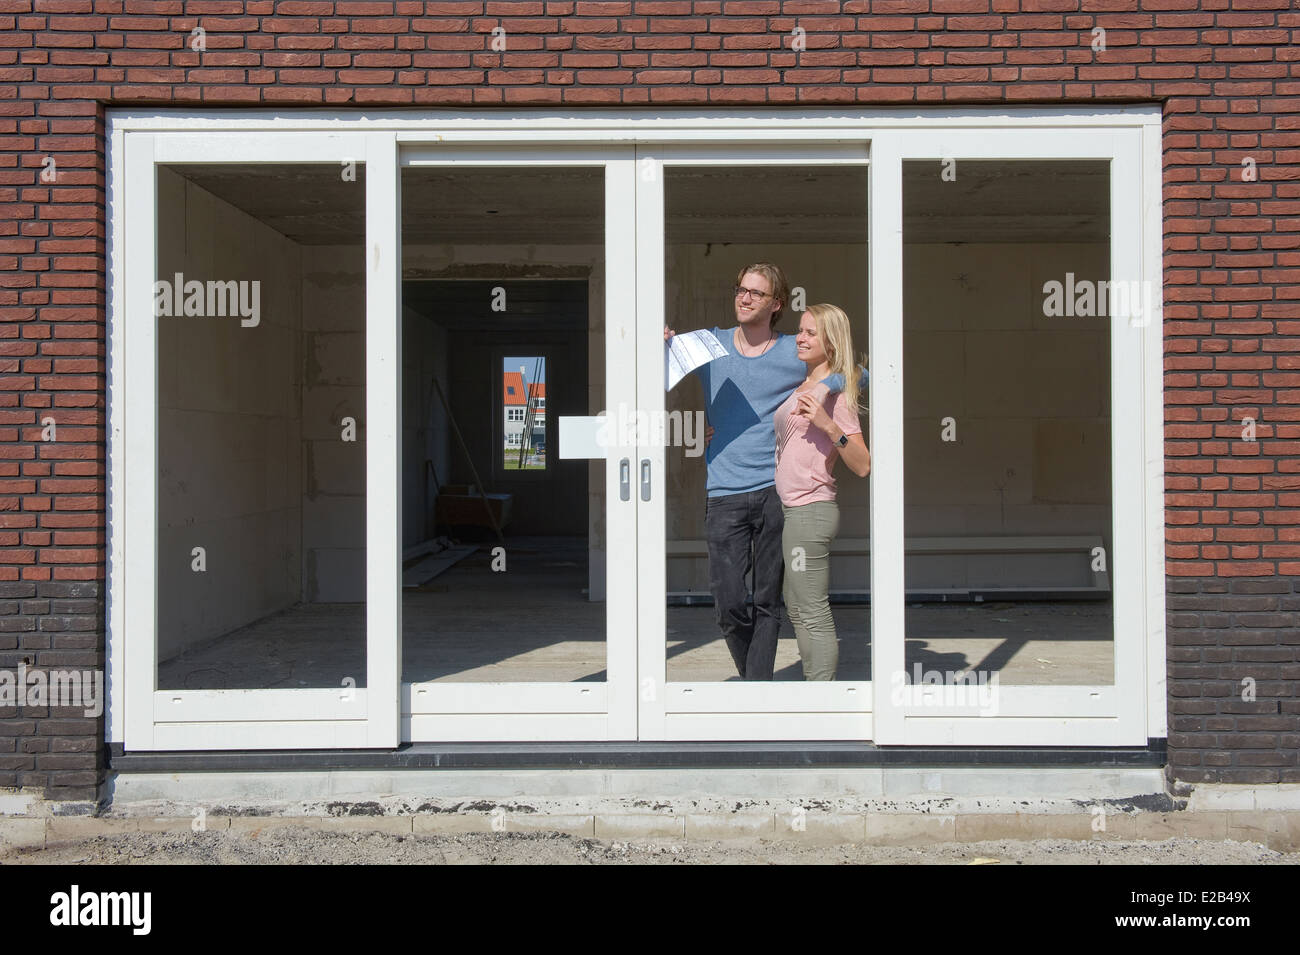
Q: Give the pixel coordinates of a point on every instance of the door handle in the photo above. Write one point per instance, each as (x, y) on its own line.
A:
(645, 479)
(624, 480)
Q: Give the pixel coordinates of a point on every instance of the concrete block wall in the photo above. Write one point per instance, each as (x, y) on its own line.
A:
(228, 425)
(1029, 396)
(333, 490)
(426, 430)
(1225, 75)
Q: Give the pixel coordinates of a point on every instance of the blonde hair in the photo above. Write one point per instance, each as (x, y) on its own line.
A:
(774, 275)
(837, 340)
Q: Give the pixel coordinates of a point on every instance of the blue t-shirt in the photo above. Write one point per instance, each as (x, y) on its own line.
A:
(741, 395)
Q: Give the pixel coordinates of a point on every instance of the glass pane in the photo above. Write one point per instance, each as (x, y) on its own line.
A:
(523, 438)
(503, 333)
(768, 525)
(1007, 422)
(260, 302)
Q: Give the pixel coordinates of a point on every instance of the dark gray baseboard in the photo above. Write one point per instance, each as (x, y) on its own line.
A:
(731, 755)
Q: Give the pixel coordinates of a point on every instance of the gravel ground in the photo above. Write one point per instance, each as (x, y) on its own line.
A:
(290, 846)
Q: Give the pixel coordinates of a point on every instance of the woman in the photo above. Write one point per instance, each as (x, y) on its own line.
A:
(813, 430)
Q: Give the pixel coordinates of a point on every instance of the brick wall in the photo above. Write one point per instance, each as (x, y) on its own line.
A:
(1226, 71)
(1233, 704)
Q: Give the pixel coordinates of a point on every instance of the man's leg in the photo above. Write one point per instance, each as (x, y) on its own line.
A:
(727, 527)
(769, 574)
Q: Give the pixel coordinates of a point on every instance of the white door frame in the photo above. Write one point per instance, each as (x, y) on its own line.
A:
(1097, 715)
(840, 710)
(314, 717)
(518, 711)
(883, 709)
(1129, 136)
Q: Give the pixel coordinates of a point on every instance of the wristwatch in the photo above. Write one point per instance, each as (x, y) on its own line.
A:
(843, 442)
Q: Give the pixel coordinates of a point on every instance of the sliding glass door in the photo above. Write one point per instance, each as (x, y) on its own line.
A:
(255, 425)
(518, 594)
(719, 658)
(402, 453)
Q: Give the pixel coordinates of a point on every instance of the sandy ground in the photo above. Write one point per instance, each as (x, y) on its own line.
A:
(292, 846)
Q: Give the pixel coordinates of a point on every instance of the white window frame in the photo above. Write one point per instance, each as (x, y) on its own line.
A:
(1119, 713)
(793, 710)
(154, 719)
(1126, 713)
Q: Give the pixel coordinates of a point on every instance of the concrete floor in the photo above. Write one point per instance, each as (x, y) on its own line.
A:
(534, 624)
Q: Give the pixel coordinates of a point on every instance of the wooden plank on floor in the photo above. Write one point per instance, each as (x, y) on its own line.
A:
(427, 547)
(429, 568)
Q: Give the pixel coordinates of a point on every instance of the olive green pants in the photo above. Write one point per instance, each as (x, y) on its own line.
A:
(806, 543)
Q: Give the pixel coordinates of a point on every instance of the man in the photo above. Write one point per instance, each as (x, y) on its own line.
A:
(743, 517)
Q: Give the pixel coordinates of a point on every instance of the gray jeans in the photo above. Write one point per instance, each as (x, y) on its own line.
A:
(806, 545)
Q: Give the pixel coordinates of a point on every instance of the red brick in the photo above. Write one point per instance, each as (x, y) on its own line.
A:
(1232, 248)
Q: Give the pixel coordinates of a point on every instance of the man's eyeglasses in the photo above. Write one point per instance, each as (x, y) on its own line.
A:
(755, 294)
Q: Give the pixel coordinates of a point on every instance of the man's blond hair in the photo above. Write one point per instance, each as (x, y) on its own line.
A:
(775, 277)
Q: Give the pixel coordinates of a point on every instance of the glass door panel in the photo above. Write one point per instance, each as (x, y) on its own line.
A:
(511, 575)
(765, 626)
(250, 322)
(1022, 281)
(261, 418)
(1007, 311)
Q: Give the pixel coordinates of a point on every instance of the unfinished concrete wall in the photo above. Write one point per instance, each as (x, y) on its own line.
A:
(1030, 398)
(228, 419)
(333, 488)
(426, 431)
(504, 260)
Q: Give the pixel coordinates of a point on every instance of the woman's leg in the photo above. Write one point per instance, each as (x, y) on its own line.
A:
(792, 548)
(807, 554)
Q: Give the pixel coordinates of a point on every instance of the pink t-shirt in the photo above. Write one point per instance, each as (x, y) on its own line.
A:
(805, 454)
